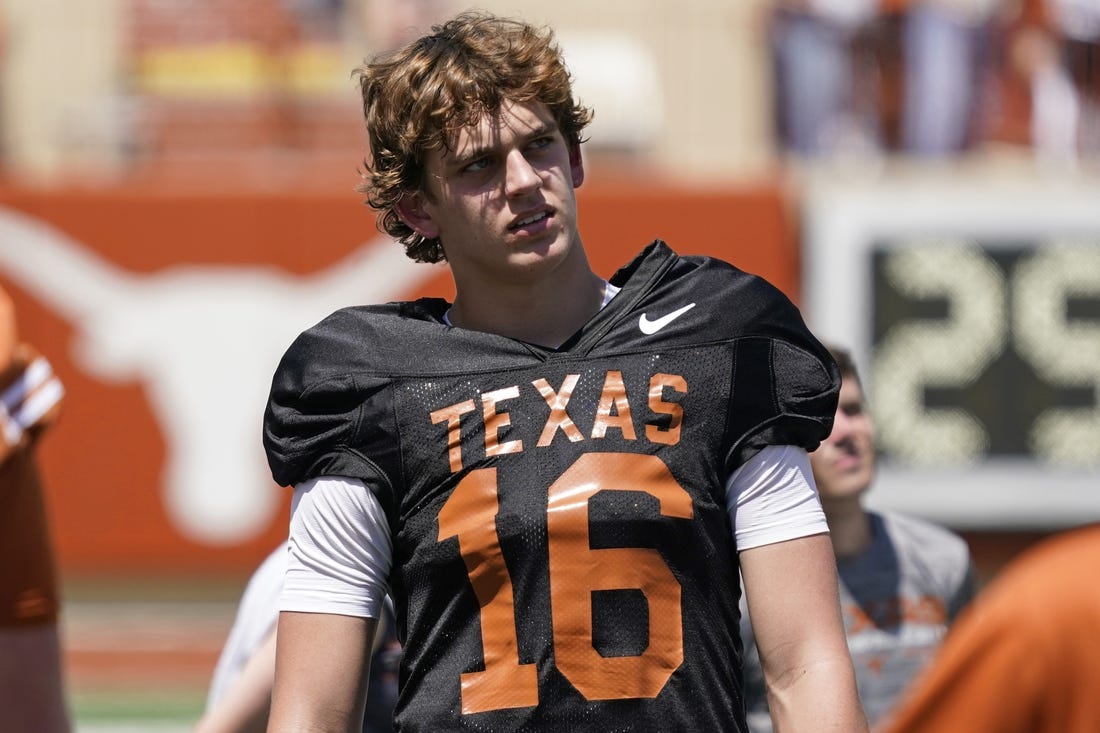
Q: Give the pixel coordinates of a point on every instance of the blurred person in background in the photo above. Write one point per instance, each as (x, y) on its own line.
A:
(1046, 85)
(1078, 24)
(1024, 657)
(32, 696)
(239, 700)
(825, 102)
(1038, 105)
(946, 61)
(1058, 50)
(902, 580)
(871, 76)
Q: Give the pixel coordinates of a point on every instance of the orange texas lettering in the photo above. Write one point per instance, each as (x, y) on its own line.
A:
(614, 412)
(889, 613)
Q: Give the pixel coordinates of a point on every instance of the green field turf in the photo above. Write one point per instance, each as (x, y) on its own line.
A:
(122, 638)
(102, 711)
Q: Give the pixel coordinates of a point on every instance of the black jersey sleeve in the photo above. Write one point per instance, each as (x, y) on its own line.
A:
(325, 420)
(785, 386)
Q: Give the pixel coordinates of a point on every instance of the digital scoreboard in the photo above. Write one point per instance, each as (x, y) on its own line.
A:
(973, 313)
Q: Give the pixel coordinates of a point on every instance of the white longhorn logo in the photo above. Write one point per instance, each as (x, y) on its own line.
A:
(204, 340)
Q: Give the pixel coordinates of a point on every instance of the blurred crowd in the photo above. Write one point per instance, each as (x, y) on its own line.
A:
(927, 78)
(923, 78)
(934, 78)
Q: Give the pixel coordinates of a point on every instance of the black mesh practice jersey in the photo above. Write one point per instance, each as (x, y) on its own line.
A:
(563, 558)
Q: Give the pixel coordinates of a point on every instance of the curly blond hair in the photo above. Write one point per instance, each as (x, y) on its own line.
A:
(417, 98)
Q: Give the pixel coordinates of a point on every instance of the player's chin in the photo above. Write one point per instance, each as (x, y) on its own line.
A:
(549, 244)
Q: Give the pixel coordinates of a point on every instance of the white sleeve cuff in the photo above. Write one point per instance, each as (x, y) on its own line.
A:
(773, 498)
(340, 549)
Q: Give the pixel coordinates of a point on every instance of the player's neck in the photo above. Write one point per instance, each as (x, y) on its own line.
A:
(545, 313)
(849, 527)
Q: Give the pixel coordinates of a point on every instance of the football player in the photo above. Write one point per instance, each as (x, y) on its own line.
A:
(31, 683)
(903, 580)
(558, 478)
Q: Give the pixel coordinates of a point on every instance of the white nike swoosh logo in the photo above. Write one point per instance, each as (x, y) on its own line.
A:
(649, 327)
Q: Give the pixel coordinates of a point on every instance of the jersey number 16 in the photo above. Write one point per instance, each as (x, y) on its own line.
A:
(576, 571)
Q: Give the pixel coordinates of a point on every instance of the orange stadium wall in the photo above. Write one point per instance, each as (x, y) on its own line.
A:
(165, 312)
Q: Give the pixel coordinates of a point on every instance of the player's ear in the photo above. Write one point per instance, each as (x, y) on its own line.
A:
(576, 164)
(412, 211)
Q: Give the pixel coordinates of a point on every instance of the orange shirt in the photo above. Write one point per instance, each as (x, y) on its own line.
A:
(1025, 656)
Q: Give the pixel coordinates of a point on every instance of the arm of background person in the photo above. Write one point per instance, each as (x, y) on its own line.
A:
(245, 706)
(322, 665)
(791, 591)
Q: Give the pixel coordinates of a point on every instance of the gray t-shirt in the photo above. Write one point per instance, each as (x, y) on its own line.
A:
(897, 599)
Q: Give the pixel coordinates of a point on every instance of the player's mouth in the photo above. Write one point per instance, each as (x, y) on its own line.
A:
(531, 223)
(848, 457)
(848, 462)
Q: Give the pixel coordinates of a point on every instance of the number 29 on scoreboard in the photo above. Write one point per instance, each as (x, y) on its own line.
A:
(975, 322)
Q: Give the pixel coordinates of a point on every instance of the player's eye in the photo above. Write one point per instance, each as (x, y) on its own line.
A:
(477, 165)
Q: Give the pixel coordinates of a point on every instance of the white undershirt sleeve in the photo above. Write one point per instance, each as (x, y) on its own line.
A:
(773, 498)
(340, 549)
